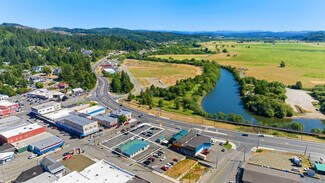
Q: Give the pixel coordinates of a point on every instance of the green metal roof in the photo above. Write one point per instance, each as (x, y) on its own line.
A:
(133, 146)
(320, 167)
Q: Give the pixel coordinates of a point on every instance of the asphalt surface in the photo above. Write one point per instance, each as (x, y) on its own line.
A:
(102, 95)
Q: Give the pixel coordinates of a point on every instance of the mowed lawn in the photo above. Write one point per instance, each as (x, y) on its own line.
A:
(304, 61)
(149, 73)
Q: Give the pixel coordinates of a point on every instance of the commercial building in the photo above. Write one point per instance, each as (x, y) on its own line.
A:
(259, 174)
(7, 108)
(44, 177)
(78, 125)
(77, 90)
(102, 171)
(20, 133)
(7, 148)
(94, 110)
(6, 156)
(178, 135)
(46, 108)
(105, 120)
(29, 174)
(133, 147)
(120, 112)
(109, 70)
(54, 167)
(320, 168)
(45, 94)
(11, 122)
(3, 97)
(46, 145)
(22, 145)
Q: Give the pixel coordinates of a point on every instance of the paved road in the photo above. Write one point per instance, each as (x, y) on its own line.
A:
(102, 95)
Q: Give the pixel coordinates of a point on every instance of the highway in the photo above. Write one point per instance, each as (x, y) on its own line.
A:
(102, 95)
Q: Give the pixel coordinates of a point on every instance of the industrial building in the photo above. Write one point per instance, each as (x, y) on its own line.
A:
(120, 112)
(11, 122)
(29, 174)
(259, 174)
(21, 133)
(7, 108)
(46, 145)
(190, 144)
(7, 148)
(45, 94)
(22, 145)
(94, 110)
(105, 120)
(78, 125)
(46, 108)
(102, 171)
(6, 156)
(133, 147)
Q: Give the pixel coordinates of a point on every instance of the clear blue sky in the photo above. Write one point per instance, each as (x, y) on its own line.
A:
(183, 15)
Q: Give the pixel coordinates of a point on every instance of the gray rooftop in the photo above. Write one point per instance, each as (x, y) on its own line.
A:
(259, 174)
(189, 136)
(11, 122)
(43, 178)
(107, 118)
(45, 105)
(46, 142)
(73, 118)
(197, 141)
(51, 165)
(120, 112)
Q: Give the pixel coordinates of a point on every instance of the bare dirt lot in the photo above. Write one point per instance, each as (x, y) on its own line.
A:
(78, 163)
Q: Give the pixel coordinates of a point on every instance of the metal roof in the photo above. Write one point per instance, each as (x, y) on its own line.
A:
(107, 118)
(11, 122)
(76, 119)
(320, 167)
(197, 141)
(185, 138)
(46, 105)
(20, 130)
(46, 142)
(6, 103)
(44, 178)
(132, 146)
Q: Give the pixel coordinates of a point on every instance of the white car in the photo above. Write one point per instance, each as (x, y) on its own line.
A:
(32, 156)
(163, 158)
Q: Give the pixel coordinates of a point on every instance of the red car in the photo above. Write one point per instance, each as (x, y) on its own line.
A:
(165, 168)
(68, 156)
(126, 123)
(54, 127)
(151, 159)
(176, 160)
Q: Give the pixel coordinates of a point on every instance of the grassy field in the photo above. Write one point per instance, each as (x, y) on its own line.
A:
(155, 71)
(180, 168)
(78, 163)
(304, 61)
(194, 174)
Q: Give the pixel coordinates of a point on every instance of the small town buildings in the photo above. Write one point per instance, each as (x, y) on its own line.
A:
(22, 145)
(77, 91)
(33, 79)
(3, 97)
(44, 177)
(38, 68)
(102, 171)
(105, 120)
(11, 122)
(109, 70)
(120, 112)
(63, 85)
(94, 110)
(46, 145)
(78, 125)
(133, 147)
(45, 94)
(7, 108)
(29, 174)
(6, 147)
(259, 174)
(178, 135)
(86, 52)
(20, 133)
(46, 108)
(56, 71)
(6, 156)
(54, 167)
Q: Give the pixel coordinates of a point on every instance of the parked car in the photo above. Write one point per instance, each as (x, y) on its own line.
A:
(165, 168)
(147, 162)
(244, 135)
(163, 158)
(223, 150)
(32, 156)
(221, 144)
(151, 159)
(176, 160)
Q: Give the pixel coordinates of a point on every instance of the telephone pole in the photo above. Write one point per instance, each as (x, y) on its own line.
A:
(244, 154)
(306, 150)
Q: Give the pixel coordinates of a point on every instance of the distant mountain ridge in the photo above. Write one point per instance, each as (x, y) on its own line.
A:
(166, 36)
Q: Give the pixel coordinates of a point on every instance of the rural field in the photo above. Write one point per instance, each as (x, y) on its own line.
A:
(160, 74)
(304, 61)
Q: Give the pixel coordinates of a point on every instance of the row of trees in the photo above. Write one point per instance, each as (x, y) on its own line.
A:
(177, 49)
(121, 83)
(319, 94)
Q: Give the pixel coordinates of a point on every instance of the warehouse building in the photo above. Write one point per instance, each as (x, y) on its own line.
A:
(6, 156)
(105, 120)
(133, 147)
(94, 110)
(22, 146)
(178, 135)
(7, 108)
(102, 171)
(46, 145)
(46, 108)
(11, 122)
(45, 94)
(78, 125)
(54, 167)
(120, 112)
(21, 133)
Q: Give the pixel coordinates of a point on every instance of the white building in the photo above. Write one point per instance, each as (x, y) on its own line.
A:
(77, 90)
(120, 112)
(94, 110)
(46, 108)
(102, 171)
(38, 68)
(3, 97)
(45, 94)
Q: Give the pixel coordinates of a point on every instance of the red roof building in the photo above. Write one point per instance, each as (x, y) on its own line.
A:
(63, 85)
(7, 108)
(21, 133)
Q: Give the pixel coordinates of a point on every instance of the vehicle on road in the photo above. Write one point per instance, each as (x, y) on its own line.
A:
(244, 135)
(32, 156)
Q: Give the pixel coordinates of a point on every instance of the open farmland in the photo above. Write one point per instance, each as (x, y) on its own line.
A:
(160, 74)
(304, 61)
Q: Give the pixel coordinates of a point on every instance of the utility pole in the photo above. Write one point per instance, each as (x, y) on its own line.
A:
(244, 154)
(306, 150)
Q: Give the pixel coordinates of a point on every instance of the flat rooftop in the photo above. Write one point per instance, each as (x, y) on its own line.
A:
(197, 141)
(20, 130)
(73, 118)
(44, 178)
(43, 143)
(11, 122)
(58, 114)
(132, 146)
(73, 177)
(46, 105)
(30, 140)
(103, 117)
(6, 103)
(45, 92)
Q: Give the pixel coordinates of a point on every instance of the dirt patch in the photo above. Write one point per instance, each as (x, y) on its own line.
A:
(300, 100)
(180, 168)
(77, 162)
(194, 174)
